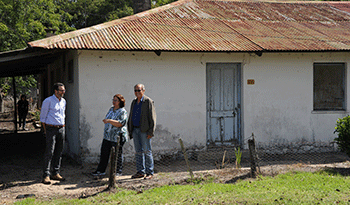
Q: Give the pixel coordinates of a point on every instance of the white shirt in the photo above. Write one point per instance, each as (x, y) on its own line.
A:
(53, 111)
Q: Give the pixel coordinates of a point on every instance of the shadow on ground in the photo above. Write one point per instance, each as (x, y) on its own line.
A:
(25, 143)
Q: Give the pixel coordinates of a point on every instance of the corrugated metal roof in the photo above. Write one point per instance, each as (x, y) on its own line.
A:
(219, 25)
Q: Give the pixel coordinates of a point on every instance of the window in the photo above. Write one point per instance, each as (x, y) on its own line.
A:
(329, 86)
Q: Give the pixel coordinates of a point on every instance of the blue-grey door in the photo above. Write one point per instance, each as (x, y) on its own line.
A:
(223, 104)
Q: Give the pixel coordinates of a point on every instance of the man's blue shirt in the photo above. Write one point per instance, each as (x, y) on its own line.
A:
(136, 113)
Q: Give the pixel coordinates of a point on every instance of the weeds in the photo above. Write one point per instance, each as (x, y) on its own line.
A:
(201, 178)
(238, 154)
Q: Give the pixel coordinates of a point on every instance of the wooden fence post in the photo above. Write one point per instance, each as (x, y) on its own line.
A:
(253, 158)
(186, 158)
(112, 170)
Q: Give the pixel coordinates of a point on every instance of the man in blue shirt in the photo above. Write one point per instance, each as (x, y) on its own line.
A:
(52, 118)
(141, 127)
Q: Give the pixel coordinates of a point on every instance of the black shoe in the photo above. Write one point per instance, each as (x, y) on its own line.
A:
(98, 173)
(138, 175)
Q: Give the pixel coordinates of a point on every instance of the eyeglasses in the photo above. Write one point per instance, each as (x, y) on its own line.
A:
(137, 91)
(114, 100)
(62, 90)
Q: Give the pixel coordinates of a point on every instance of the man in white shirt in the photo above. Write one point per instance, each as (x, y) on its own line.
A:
(52, 117)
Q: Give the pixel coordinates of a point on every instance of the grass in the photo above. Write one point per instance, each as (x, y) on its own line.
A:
(322, 187)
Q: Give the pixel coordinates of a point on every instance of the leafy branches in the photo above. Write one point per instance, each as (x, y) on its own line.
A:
(26, 20)
(343, 130)
(24, 85)
(22, 21)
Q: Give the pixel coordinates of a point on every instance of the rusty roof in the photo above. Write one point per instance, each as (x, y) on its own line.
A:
(219, 25)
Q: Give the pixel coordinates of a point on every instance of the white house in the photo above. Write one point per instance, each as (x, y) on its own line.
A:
(218, 71)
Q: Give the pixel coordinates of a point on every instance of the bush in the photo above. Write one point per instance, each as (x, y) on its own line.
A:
(36, 114)
(343, 130)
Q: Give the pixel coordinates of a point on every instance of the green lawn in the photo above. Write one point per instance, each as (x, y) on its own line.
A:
(323, 187)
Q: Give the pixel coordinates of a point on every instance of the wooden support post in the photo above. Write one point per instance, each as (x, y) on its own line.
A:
(186, 158)
(252, 153)
(14, 103)
(112, 170)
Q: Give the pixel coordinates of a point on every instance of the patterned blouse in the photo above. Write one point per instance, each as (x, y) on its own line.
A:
(111, 132)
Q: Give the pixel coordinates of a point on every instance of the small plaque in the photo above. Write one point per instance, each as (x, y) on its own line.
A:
(250, 81)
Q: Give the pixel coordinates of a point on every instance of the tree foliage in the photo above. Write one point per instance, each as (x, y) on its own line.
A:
(91, 12)
(24, 85)
(22, 21)
(343, 130)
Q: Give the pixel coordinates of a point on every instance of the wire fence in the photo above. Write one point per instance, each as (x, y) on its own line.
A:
(220, 157)
(255, 156)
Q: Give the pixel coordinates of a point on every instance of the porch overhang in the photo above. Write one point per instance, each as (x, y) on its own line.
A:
(26, 61)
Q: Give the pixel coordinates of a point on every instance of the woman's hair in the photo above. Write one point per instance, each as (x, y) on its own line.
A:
(23, 96)
(121, 100)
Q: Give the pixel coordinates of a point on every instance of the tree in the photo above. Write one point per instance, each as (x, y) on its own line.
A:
(91, 12)
(158, 3)
(22, 21)
(26, 20)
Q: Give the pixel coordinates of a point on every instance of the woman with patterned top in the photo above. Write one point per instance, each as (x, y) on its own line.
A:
(115, 126)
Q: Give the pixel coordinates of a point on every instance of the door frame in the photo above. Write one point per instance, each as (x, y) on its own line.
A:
(239, 115)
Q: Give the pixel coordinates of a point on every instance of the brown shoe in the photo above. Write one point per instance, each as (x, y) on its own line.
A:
(58, 177)
(148, 176)
(46, 180)
(137, 175)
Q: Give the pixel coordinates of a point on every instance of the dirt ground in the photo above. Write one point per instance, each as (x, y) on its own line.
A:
(7, 125)
(21, 171)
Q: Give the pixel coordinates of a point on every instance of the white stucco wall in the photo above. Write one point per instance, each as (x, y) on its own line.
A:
(175, 82)
(277, 108)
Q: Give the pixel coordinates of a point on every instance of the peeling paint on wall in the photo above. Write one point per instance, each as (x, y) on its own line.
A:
(164, 138)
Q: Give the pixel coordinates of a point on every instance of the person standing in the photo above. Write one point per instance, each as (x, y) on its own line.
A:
(22, 108)
(115, 127)
(141, 127)
(52, 118)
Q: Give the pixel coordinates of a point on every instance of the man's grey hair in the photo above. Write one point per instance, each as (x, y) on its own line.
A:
(141, 85)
